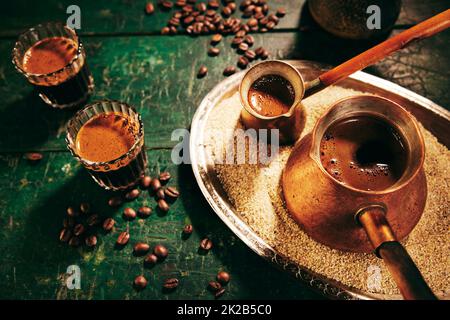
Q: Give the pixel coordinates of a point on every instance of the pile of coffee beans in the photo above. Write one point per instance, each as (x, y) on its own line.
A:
(216, 17)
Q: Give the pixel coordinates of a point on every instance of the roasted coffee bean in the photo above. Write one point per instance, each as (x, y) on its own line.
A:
(140, 282)
(243, 47)
(85, 207)
(144, 212)
(166, 5)
(165, 30)
(259, 16)
(270, 25)
(65, 235)
(206, 244)
(249, 40)
(74, 242)
(160, 194)
(123, 238)
(248, 12)
(164, 177)
(272, 17)
(201, 7)
(242, 62)
(155, 185)
(174, 22)
(213, 52)
(93, 220)
(141, 248)
(219, 293)
(172, 193)
(129, 214)
(78, 229)
(281, 12)
(145, 182)
(264, 55)
(228, 71)
(232, 6)
(91, 241)
(252, 22)
(149, 8)
(213, 4)
(215, 39)
(115, 202)
(188, 229)
(188, 20)
(150, 260)
(163, 205)
(161, 251)
(108, 224)
(68, 222)
(214, 286)
(236, 41)
(250, 55)
(72, 212)
(33, 156)
(223, 277)
(180, 3)
(132, 194)
(202, 72)
(264, 21)
(171, 283)
(241, 33)
(226, 11)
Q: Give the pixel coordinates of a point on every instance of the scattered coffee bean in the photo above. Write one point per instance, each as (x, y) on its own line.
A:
(155, 184)
(144, 212)
(243, 47)
(214, 286)
(172, 193)
(223, 277)
(72, 212)
(123, 238)
(65, 235)
(33, 156)
(242, 62)
(202, 72)
(228, 71)
(163, 205)
(150, 260)
(241, 34)
(132, 194)
(108, 224)
(188, 229)
(206, 244)
(129, 214)
(170, 283)
(165, 30)
(164, 177)
(85, 207)
(140, 282)
(93, 220)
(166, 5)
(78, 229)
(264, 55)
(281, 12)
(161, 251)
(249, 40)
(74, 242)
(219, 293)
(149, 8)
(250, 55)
(145, 182)
(115, 202)
(68, 222)
(141, 248)
(160, 194)
(215, 39)
(91, 241)
(213, 51)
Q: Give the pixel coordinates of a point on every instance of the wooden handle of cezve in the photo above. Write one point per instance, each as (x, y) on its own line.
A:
(422, 30)
(408, 278)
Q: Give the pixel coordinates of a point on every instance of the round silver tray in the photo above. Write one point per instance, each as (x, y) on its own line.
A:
(433, 117)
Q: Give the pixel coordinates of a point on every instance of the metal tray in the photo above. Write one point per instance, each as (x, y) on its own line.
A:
(434, 118)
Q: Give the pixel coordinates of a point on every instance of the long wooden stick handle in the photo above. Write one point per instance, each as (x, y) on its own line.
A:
(422, 30)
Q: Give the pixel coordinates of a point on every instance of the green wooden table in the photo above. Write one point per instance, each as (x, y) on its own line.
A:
(132, 62)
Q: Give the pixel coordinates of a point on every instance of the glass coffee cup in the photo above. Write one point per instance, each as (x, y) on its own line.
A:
(107, 137)
(52, 58)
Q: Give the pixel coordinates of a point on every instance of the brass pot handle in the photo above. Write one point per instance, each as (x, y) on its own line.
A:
(408, 278)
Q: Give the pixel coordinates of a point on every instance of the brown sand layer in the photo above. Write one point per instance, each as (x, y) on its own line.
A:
(255, 192)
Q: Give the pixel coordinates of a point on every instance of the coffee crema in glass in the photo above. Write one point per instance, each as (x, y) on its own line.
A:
(271, 95)
(109, 142)
(364, 152)
(53, 59)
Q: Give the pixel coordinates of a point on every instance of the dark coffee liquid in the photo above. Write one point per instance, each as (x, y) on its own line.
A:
(107, 137)
(53, 54)
(364, 152)
(271, 95)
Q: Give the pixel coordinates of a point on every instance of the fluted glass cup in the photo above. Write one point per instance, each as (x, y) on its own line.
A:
(67, 87)
(120, 173)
